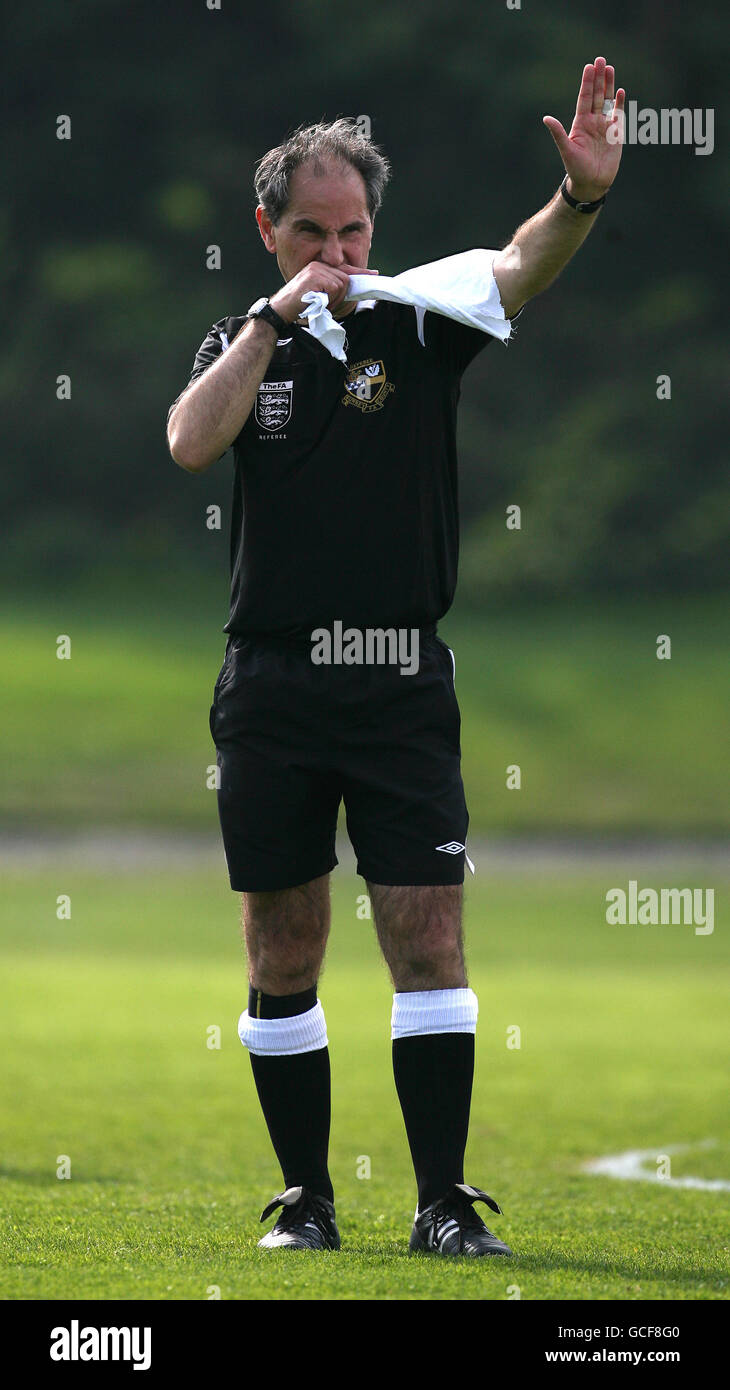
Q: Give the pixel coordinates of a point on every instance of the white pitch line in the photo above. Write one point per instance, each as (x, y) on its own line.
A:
(630, 1166)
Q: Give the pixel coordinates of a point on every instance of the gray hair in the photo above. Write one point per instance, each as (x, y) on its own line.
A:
(341, 142)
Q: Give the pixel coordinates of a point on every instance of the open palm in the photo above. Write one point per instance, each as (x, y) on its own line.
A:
(590, 155)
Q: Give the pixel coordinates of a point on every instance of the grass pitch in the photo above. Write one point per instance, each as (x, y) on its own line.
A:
(105, 1018)
(609, 740)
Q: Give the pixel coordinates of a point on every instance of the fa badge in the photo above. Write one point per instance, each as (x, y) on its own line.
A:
(367, 387)
(273, 404)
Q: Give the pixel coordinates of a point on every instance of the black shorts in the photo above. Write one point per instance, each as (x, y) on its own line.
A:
(294, 738)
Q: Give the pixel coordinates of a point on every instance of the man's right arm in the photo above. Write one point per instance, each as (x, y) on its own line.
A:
(214, 409)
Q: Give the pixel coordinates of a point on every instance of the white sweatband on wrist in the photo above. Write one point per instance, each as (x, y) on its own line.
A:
(434, 1011)
(282, 1037)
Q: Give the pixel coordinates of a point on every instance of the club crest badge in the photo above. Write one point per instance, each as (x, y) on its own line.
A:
(274, 404)
(367, 386)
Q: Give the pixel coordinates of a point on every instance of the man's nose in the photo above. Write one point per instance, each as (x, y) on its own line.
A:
(332, 252)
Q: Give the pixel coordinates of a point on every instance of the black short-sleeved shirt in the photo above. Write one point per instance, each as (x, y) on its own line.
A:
(345, 499)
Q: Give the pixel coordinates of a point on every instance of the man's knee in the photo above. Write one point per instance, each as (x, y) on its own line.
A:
(285, 933)
(419, 929)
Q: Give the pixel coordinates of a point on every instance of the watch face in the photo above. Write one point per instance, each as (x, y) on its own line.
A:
(257, 306)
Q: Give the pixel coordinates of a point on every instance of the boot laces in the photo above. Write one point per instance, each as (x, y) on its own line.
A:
(456, 1207)
(309, 1208)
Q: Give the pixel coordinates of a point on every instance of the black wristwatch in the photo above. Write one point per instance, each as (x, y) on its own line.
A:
(574, 203)
(261, 309)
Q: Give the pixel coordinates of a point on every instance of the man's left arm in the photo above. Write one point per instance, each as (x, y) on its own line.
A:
(591, 154)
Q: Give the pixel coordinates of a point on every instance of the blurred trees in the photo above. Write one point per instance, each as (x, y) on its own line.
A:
(104, 277)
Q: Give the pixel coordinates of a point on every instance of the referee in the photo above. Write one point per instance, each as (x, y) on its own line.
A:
(335, 684)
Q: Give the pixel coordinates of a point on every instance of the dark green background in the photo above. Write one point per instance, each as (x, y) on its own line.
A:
(104, 273)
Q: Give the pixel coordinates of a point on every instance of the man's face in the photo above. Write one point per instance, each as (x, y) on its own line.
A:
(326, 220)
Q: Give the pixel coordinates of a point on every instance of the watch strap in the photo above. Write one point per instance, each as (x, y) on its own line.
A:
(576, 204)
(270, 315)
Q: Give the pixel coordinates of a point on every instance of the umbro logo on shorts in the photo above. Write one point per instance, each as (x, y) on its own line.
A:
(455, 847)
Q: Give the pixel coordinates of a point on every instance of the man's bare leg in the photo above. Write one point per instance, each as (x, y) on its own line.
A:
(285, 935)
(420, 934)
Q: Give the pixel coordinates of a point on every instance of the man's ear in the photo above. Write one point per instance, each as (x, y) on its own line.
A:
(266, 228)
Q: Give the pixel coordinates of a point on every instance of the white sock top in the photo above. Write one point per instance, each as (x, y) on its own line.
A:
(434, 1011)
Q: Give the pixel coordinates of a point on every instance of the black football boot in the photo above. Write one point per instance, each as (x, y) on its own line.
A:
(307, 1222)
(451, 1226)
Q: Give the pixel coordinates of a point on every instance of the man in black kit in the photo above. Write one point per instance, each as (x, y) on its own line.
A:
(323, 449)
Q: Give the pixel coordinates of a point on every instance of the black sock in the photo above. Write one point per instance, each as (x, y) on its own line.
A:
(262, 1005)
(433, 1077)
(294, 1091)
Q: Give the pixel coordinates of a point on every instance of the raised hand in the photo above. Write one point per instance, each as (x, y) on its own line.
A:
(590, 155)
